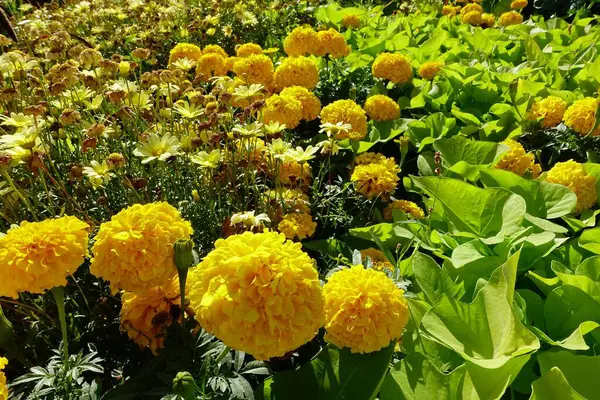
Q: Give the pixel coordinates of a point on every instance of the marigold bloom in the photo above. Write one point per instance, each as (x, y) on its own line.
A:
(488, 20)
(369, 158)
(184, 50)
(311, 105)
(382, 108)
(38, 256)
(581, 116)
(364, 310)
(146, 316)
(292, 173)
(392, 66)
(551, 110)
(449, 10)
(572, 175)
(409, 208)
(430, 70)
(210, 65)
(215, 49)
(379, 260)
(375, 179)
(258, 293)
(518, 161)
(351, 21)
(331, 42)
(348, 112)
(256, 68)
(285, 201)
(3, 385)
(248, 49)
(283, 109)
(297, 225)
(510, 18)
(470, 8)
(134, 250)
(474, 18)
(518, 4)
(296, 71)
(302, 40)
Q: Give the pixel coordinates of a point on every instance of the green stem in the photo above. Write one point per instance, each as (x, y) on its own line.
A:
(221, 356)
(59, 296)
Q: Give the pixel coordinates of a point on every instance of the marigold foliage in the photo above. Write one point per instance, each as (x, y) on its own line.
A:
(332, 43)
(348, 112)
(296, 71)
(38, 256)
(283, 109)
(518, 161)
(408, 207)
(351, 21)
(311, 105)
(256, 68)
(248, 49)
(3, 385)
(581, 116)
(258, 293)
(379, 260)
(185, 50)
(364, 310)
(392, 66)
(551, 110)
(297, 225)
(376, 179)
(301, 41)
(572, 175)
(134, 250)
(510, 18)
(382, 108)
(210, 65)
(429, 70)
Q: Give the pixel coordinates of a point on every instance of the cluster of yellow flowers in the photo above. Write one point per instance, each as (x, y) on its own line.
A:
(38, 256)
(296, 71)
(347, 112)
(393, 67)
(297, 225)
(382, 108)
(572, 175)
(351, 21)
(550, 110)
(581, 116)
(292, 105)
(430, 70)
(518, 161)
(3, 385)
(305, 40)
(408, 207)
(375, 178)
(473, 14)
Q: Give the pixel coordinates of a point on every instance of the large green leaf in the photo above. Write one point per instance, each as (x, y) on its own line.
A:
(580, 371)
(433, 280)
(553, 386)
(474, 152)
(481, 212)
(590, 240)
(566, 308)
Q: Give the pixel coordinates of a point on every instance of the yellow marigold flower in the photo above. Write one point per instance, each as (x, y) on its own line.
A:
(408, 207)
(184, 50)
(292, 173)
(256, 68)
(518, 161)
(518, 4)
(382, 108)
(474, 18)
(311, 105)
(258, 293)
(380, 261)
(510, 18)
(283, 109)
(297, 225)
(134, 250)
(369, 158)
(430, 70)
(392, 66)
(248, 49)
(3, 385)
(364, 310)
(210, 65)
(351, 21)
(572, 175)
(581, 116)
(296, 71)
(470, 8)
(348, 112)
(230, 62)
(449, 10)
(302, 40)
(375, 179)
(331, 42)
(284, 201)
(38, 256)
(551, 110)
(488, 20)
(146, 316)
(215, 49)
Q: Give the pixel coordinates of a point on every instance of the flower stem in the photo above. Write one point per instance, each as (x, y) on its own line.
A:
(59, 296)
(221, 356)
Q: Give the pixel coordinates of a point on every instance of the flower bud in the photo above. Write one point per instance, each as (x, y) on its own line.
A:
(183, 257)
(184, 385)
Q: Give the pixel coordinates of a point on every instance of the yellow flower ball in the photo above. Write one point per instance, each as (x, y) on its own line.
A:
(581, 116)
(284, 201)
(430, 70)
(256, 68)
(248, 49)
(410, 208)
(518, 161)
(296, 71)
(392, 66)
(3, 385)
(510, 18)
(230, 62)
(470, 8)
(184, 50)
(572, 175)
(297, 225)
(283, 109)
(364, 310)
(382, 108)
(449, 10)
(348, 112)
(134, 250)
(292, 173)
(488, 20)
(302, 40)
(146, 317)
(551, 110)
(258, 293)
(474, 18)
(311, 105)
(379, 260)
(211, 65)
(376, 179)
(351, 21)
(369, 158)
(215, 49)
(38, 256)
(331, 42)
(518, 4)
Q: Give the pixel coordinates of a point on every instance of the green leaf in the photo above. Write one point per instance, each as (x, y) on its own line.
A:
(553, 386)
(433, 280)
(566, 308)
(580, 371)
(7, 339)
(575, 341)
(474, 152)
(590, 240)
